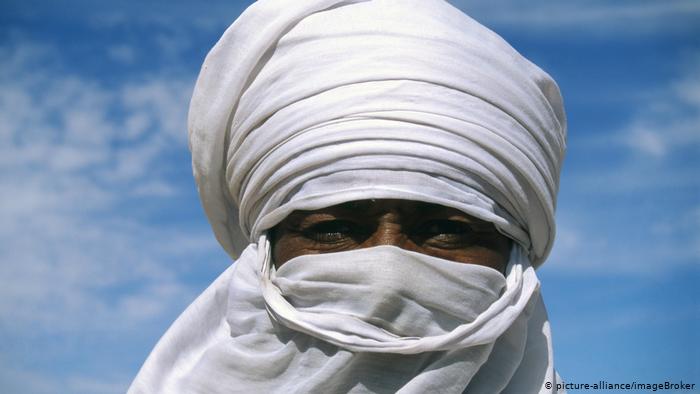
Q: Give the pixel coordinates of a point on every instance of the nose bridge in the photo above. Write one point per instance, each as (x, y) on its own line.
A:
(389, 231)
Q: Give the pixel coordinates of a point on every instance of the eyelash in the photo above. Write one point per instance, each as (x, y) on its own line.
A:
(332, 231)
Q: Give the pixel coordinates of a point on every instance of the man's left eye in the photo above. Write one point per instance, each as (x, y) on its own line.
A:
(443, 227)
(444, 233)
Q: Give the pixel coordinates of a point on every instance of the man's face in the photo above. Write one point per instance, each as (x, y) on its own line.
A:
(431, 229)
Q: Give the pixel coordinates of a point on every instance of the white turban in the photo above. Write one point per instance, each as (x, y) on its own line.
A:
(307, 104)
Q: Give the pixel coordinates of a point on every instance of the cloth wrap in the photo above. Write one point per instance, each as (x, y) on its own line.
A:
(307, 104)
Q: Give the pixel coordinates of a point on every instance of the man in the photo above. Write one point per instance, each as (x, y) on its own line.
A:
(385, 174)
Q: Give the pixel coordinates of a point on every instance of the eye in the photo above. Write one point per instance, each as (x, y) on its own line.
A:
(445, 233)
(333, 231)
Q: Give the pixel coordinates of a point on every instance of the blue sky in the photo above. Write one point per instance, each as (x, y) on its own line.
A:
(103, 241)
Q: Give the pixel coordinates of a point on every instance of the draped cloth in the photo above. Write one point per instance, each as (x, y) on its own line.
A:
(307, 104)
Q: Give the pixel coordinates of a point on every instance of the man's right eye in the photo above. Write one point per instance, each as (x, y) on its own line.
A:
(332, 231)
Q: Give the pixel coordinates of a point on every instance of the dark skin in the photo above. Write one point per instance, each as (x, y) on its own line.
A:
(416, 226)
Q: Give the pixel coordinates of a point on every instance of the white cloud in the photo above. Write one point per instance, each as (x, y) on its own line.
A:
(647, 141)
(154, 189)
(161, 101)
(135, 125)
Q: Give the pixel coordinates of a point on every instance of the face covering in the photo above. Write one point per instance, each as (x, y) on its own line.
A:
(379, 297)
(376, 320)
(418, 302)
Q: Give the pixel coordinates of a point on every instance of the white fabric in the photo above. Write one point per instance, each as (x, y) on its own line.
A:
(308, 104)
(464, 328)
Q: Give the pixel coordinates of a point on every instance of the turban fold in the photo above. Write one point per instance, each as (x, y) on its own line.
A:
(307, 104)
